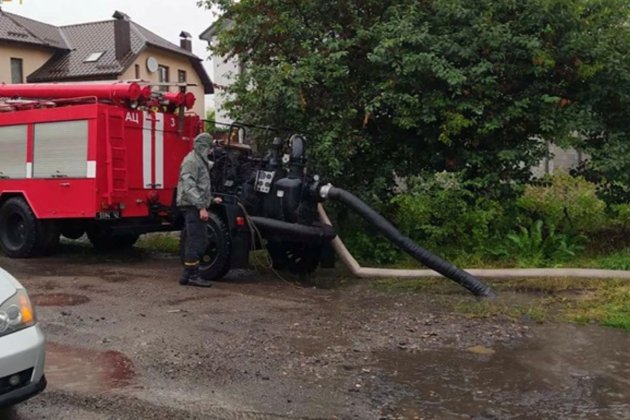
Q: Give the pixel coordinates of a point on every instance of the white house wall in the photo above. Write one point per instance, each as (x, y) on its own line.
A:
(561, 159)
(225, 71)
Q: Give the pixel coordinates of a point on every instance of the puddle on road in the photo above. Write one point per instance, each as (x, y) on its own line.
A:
(566, 371)
(59, 299)
(87, 371)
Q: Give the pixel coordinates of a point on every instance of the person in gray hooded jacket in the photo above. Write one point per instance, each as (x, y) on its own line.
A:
(194, 197)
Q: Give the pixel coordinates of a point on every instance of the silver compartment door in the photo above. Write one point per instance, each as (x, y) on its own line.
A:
(61, 150)
(13, 151)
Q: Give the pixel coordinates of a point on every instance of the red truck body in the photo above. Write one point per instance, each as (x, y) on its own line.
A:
(105, 165)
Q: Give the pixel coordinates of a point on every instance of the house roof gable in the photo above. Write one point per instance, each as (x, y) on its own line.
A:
(17, 28)
(87, 39)
(220, 24)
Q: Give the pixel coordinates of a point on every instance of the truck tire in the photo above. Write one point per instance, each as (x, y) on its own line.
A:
(215, 262)
(103, 239)
(22, 235)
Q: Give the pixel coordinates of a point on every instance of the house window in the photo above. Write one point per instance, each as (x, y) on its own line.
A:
(164, 77)
(17, 73)
(181, 76)
(137, 68)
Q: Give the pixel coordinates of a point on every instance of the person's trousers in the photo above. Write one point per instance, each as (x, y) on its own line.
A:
(196, 237)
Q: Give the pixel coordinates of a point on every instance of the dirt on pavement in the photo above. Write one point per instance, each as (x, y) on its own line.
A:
(125, 341)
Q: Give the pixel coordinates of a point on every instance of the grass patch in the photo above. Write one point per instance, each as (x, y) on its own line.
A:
(619, 260)
(423, 285)
(607, 260)
(438, 285)
(160, 242)
(616, 260)
(546, 285)
(538, 310)
(608, 305)
(606, 302)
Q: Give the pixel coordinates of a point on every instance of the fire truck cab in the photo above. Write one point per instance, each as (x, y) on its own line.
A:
(100, 159)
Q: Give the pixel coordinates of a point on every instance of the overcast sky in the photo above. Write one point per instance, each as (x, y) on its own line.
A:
(166, 18)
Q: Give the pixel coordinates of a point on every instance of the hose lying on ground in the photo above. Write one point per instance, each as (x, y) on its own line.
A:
(367, 272)
(422, 255)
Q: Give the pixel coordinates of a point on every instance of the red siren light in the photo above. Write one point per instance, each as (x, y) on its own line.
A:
(190, 100)
(146, 93)
(176, 99)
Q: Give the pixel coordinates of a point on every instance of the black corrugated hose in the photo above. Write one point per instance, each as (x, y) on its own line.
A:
(422, 255)
(266, 224)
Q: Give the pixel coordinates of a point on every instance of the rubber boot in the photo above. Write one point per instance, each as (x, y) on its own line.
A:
(185, 277)
(196, 280)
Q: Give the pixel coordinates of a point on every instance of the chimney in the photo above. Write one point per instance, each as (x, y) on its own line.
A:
(122, 34)
(185, 41)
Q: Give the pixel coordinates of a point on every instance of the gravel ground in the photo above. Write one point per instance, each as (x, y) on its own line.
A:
(125, 341)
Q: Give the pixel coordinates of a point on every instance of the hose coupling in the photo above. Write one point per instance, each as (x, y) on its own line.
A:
(325, 190)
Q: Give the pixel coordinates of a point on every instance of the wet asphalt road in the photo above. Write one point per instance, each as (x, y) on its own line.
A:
(126, 342)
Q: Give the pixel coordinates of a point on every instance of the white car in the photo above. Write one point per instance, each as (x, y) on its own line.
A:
(21, 344)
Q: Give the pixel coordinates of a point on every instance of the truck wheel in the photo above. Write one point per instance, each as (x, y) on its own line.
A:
(104, 240)
(215, 262)
(21, 234)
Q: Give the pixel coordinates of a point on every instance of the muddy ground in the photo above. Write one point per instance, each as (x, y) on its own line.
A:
(125, 341)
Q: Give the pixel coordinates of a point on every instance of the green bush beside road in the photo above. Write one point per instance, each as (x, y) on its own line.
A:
(559, 221)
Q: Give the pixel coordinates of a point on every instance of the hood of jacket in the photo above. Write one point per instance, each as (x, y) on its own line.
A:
(202, 145)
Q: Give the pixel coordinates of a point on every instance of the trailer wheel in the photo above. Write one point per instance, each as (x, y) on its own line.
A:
(277, 252)
(104, 240)
(215, 262)
(22, 235)
(297, 257)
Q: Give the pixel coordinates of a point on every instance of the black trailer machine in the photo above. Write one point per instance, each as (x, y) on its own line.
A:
(271, 201)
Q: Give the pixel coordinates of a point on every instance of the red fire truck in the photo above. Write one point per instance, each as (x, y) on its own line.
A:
(95, 158)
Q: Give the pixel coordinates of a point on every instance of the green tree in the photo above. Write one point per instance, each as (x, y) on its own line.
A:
(383, 86)
(209, 124)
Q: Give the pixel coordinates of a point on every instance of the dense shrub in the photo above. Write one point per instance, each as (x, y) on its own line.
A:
(551, 222)
(612, 191)
(538, 245)
(621, 216)
(441, 213)
(568, 203)
(368, 246)
(438, 211)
